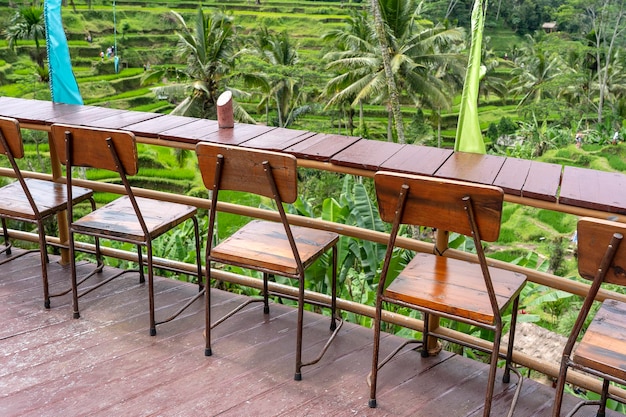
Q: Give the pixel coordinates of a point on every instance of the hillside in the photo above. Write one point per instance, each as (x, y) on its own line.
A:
(145, 34)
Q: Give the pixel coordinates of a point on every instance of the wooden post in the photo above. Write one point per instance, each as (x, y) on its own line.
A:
(432, 344)
(225, 119)
(57, 173)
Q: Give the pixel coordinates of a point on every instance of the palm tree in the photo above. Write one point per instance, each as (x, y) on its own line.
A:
(27, 23)
(392, 88)
(210, 51)
(281, 84)
(421, 56)
(539, 74)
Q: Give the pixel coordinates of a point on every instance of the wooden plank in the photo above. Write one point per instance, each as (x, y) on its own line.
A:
(24, 110)
(190, 132)
(151, 128)
(84, 115)
(239, 134)
(512, 175)
(243, 170)
(264, 246)
(273, 372)
(118, 219)
(473, 167)
(421, 160)
(454, 287)
(277, 139)
(321, 147)
(367, 154)
(341, 363)
(603, 346)
(122, 119)
(593, 189)
(542, 181)
(48, 114)
(49, 197)
(53, 362)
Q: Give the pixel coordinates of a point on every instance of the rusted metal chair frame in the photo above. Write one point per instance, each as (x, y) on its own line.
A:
(64, 138)
(38, 215)
(216, 156)
(414, 193)
(598, 265)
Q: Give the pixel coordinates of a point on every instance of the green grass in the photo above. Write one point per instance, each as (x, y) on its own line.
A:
(561, 222)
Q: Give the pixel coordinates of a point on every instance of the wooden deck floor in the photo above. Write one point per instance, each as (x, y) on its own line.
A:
(106, 364)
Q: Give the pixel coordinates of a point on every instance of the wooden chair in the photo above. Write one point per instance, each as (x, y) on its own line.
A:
(136, 220)
(269, 247)
(602, 349)
(31, 200)
(468, 292)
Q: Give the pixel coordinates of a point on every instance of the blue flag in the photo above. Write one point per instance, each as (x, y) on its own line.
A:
(63, 85)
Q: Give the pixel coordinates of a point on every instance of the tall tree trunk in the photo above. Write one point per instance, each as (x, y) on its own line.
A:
(439, 131)
(601, 22)
(451, 7)
(498, 11)
(38, 52)
(394, 99)
(389, 124)
(351, 120)
(280, 116)
(361, 126)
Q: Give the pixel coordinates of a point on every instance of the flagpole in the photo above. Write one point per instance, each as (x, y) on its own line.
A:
(116, 59)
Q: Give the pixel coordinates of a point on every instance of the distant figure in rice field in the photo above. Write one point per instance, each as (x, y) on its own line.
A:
(615, 137)
(579, 139)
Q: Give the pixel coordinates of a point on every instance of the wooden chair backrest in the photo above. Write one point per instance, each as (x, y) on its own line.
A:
(436, 202)
(91, 149)
(10, 129)
(594, 236)
(243, 170)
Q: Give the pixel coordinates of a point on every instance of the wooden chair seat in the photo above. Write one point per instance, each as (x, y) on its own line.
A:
(432, 282)
(264, 245)
(117, 219)
(50, 198)
(603, 346)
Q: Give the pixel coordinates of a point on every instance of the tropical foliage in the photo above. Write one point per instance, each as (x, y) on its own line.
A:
(27, 23)
(210, 51)
(425, 59)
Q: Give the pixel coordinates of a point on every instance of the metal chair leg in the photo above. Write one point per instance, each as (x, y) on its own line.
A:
(333, 304)
(44, 265)
(142, 277)
(493, 367)
(207, 311)
(506, 378)
(425, 336)
(298, 374)
(150, 287)
(5, 234)
(72, 254)
(266, 305)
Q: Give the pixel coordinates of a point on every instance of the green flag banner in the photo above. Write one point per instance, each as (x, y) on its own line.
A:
(469, 138)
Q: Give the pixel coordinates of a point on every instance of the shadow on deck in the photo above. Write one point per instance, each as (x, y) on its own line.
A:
(106, 364)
